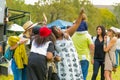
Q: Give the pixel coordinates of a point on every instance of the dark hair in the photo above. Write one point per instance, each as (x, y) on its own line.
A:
(42, 40)
(118, 35)
(35, 29)
(68, 27)
(103, 31)
(55, 32)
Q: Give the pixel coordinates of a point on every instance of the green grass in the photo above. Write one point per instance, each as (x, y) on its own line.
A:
(116, 76)
(10, 77)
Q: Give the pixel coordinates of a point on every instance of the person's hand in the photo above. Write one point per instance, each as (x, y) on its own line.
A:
(57, 58)
(82, 11)
(22, 41)
(92, 61)
(66, 36)
(105, 38)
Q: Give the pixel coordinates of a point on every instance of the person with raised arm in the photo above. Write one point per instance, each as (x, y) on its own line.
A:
(68, 68)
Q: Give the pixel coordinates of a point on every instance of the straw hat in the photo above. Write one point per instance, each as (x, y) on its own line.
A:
(28, 25)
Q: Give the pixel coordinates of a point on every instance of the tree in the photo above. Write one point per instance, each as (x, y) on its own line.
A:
(117, 13)
(93, 14)
(59, 10)
(108, 18)
(67, 10)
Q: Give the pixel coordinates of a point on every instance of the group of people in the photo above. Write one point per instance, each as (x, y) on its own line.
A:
(49, 46)
(62, 55)
(105, 52)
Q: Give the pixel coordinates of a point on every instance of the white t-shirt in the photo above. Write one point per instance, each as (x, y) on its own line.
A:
(39, 49)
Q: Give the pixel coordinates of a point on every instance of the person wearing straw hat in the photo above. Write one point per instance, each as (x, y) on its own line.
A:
(26, 35)
(23, 39)
(28, 30)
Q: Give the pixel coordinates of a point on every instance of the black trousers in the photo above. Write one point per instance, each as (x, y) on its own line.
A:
(37, 67)
(96, 66)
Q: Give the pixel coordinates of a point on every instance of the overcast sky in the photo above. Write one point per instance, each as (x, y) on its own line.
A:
(96, 2)
(105, 2)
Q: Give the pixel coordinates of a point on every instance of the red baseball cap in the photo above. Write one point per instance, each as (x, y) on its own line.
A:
(44, 31)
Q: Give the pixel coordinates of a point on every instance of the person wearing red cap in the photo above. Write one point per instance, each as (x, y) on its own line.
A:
(42, 50)
(68, 68)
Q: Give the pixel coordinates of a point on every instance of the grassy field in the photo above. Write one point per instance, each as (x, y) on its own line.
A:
(116, 76)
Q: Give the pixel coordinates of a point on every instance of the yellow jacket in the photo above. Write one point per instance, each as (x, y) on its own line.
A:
(20, 55)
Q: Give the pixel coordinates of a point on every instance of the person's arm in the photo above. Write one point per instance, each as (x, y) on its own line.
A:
(14, 47)
(92, 52)
(18, 43)
(111, 43)
(92, 48)
(73, 28)
(57, 58)
(49, 56)
(50, 52)
(1, 49)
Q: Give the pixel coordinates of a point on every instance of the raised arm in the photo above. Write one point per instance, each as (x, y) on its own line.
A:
(111, 43)
(73, 28)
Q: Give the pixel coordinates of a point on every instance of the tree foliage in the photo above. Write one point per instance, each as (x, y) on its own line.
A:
(117, 13)
(108, 18)
(67, 10)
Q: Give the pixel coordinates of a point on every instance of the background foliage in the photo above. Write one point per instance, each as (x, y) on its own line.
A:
(68, 10)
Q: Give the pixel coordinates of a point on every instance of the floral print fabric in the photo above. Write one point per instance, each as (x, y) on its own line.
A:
(69, 67)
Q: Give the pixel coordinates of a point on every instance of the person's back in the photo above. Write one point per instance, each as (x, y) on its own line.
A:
(83, 43)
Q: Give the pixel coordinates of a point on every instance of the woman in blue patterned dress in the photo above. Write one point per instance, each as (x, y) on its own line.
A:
(68, 67)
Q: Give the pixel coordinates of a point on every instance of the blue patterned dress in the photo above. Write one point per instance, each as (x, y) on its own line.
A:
(69, 67)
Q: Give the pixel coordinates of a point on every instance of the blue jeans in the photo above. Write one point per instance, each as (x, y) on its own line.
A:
(84, 66)
(117, 53)
(19, 74)
(96, 66)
